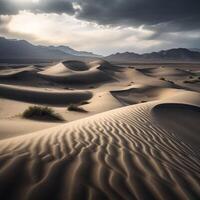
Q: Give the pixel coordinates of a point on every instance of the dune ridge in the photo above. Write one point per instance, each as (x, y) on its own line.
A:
(120, 154)
(58, 98)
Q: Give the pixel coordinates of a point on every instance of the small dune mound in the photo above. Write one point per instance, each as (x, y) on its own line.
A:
(106, 99)
(41, 113)
(58, 69)
(180, 119)
(76, 65)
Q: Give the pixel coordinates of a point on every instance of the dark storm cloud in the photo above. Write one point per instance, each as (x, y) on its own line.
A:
(176, 14)
(12, 7)
(181, 13)
(55, 6)
(172, 22)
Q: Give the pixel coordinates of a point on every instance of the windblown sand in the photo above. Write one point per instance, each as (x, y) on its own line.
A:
(143, 144)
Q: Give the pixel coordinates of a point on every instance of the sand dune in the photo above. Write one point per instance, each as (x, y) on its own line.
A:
(61, 98)
(162, 71)
(85, 77)
(143, 144)
(139, 77)
(23, 76)
(142, 93)
(109, 103)
(121, 154)
(17, 73)
(74, 72)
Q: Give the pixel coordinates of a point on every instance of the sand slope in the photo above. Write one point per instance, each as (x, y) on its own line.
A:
(16, 127)
(33, 95)
(127, 153)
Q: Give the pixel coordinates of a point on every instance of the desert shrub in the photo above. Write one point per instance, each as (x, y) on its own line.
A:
(162, 79)
(76, 108)
(143, 101)
(84, 102)
(42, 113)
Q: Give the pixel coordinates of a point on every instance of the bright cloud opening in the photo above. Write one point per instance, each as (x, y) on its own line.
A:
(79, 34)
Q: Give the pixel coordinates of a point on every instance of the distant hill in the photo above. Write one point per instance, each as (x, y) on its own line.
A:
(179, 54)
(11, 49)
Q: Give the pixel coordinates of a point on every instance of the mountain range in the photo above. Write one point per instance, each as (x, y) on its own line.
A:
(178, 54)
(12, 50)
(21, 49)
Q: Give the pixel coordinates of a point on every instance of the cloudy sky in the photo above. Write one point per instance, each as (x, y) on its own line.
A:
(103, 26)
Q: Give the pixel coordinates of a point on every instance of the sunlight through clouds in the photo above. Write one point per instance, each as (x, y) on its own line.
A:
(103, 26)
(66, 29)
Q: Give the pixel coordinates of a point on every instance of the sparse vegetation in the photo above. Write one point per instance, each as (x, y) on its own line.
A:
(143, 101)
(162, 79)
(84, 102)
(76, 108)
(41, 113)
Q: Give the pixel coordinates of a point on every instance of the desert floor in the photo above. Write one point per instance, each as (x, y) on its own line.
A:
(137, 136)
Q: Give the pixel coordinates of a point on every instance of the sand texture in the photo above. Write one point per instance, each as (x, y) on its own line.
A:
(138, 140)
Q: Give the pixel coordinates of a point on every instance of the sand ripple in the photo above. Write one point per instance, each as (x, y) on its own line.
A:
(121, 154)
